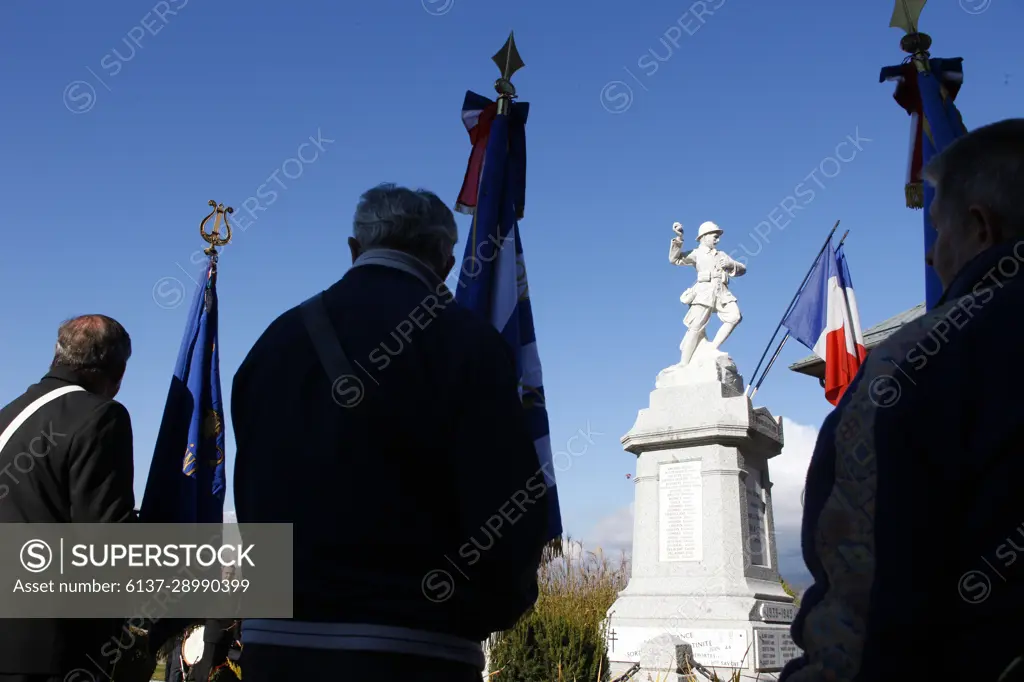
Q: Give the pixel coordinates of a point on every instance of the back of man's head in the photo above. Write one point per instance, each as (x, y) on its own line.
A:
(979, 194)
(96, 349)
(415, 222)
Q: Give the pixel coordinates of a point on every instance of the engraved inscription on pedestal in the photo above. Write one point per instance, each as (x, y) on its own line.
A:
(711, 647)
(772, 612)
(773, 649)
(680, 511)
(718, 648)
(756, 519)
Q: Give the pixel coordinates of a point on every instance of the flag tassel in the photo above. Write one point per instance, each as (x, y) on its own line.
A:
(915, 195)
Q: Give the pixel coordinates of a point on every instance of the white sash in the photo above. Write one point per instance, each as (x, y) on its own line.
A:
(32, 408)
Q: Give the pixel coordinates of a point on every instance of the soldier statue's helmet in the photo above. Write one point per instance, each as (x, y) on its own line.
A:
(706, 229)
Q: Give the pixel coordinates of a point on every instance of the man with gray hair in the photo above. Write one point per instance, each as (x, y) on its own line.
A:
(384, 422)
(66, 457)
(912, 513)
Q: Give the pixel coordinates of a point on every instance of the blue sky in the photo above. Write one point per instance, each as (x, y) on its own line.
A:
(112, 156)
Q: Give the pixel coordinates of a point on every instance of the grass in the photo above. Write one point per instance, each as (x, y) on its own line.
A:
(580, 585)
(563, 636)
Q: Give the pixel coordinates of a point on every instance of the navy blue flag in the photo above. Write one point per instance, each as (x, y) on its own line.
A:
(492, 280)
(186, 478)
(926, 89)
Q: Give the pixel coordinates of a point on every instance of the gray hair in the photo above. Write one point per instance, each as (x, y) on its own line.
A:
(95, 347)
(986, 168)
(416, 222)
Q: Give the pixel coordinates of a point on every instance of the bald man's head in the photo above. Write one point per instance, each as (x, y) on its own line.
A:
(96, 348)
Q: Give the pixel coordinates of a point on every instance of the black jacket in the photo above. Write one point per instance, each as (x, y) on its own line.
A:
(393, 494)
(912, 515)
(71, 462)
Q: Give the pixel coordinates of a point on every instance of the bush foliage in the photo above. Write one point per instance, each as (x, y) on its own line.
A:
(562, 637)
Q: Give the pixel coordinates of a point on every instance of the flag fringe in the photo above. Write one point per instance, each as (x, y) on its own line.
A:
(915, 195)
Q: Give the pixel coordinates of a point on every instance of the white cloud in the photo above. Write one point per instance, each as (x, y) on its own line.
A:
(788, 471)
(613, 533)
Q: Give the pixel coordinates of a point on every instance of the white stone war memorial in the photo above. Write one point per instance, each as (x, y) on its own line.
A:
(705, 581)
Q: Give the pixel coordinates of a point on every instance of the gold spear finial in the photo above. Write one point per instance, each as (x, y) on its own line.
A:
(213, 238)
(508, 61)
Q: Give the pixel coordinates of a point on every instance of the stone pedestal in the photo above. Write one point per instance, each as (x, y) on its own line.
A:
(704, 563)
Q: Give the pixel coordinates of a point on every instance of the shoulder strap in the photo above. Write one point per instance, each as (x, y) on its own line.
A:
(318, 325)
(31, 409)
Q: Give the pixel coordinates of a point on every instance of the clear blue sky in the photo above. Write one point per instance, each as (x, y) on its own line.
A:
(100, 208)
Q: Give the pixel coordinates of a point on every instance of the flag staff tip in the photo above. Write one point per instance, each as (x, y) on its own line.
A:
(905, 15)
(214, 238)
(508, 61)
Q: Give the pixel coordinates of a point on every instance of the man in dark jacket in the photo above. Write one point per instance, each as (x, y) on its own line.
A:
(405, 466)
(66, 457)
(913, 519)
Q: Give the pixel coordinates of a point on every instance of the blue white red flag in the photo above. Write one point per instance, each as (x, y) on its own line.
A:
(187, 475)
(492, 280)
(825, 319)
(846, 284)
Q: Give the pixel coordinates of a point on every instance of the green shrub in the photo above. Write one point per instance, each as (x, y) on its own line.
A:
(563, 636)
(790, 591)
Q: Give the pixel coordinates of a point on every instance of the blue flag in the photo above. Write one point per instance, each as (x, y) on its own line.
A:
(186, 478)
(493, 281)
(927, 95)
(942, 125)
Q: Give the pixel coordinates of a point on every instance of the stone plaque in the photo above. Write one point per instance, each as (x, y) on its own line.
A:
(712, 647)
(718, 648)
(773, 649)
(775, 612)
(756, 519)
(680, 511)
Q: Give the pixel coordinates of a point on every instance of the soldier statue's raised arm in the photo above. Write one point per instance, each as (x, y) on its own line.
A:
(710, 294)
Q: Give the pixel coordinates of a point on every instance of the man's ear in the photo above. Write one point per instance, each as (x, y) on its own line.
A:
(985, 226)
(353, 246)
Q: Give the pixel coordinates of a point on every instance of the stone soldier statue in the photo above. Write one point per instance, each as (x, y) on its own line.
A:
(710, 294)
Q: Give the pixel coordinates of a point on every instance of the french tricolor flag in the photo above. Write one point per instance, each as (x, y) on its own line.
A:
(825, 319)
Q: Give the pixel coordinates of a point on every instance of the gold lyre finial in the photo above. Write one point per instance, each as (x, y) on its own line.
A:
(508, 61)
(905, 16)
(213, 238)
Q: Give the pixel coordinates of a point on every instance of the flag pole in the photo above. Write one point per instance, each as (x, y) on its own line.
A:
(156, 499)
(771, 362)
(795, 296)
(775, 356)
(509, 61)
